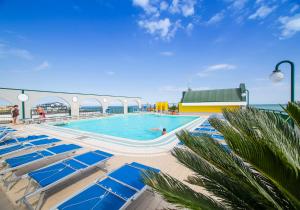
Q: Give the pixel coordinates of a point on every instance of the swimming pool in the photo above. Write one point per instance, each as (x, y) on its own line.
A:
(136, 126)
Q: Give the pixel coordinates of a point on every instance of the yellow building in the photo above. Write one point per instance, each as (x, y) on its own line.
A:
(212, 100)
(162, 106)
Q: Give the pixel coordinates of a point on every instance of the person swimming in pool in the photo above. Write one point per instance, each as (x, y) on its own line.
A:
(163, 131)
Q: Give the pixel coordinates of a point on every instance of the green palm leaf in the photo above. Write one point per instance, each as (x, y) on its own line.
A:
(178, 193)
(268, 143)
(293, 110)
(235, 173)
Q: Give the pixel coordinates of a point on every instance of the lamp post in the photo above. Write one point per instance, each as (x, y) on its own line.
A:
(277, 76)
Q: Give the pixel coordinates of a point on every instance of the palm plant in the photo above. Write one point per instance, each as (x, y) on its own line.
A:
(260, 171)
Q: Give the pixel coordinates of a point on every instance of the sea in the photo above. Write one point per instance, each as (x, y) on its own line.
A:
(276, 107)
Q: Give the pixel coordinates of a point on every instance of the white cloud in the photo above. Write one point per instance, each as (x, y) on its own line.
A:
(167, 53)
(141, 3)
(162, 28)
(163, 5)
(262, 12)
(239, 4)
(146, 5)
(188, 8)
(7, 51)
(163, 18)
(110, 73)
(214, 68)
(289, 26)
(42, 66)
(294, 8)
(184, 7)
(190, 28)
(216, 18)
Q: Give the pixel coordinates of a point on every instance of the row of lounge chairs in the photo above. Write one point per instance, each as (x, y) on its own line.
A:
(50, 165)
(206, 129)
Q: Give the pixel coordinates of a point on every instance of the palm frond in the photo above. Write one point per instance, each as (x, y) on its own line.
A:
(268, 143)
(177, 193)
(293, 110)
(232, 167)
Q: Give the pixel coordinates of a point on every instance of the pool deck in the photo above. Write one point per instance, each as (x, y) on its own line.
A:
(147, 201)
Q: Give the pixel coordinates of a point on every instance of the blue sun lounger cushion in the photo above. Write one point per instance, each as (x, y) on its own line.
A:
(55, 172)
(114, 192)
(205, 124)
(22, 139)
(206, 129)
(32, 144)
(217, 137)
(7, 130)
(41, 154)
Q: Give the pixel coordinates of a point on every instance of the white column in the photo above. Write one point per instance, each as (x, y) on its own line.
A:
(104, 107)
(125, 106)
(75, 107)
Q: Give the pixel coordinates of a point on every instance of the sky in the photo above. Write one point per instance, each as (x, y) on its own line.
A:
(150, 48)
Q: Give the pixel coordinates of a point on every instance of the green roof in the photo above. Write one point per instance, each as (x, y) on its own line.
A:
(217, 95)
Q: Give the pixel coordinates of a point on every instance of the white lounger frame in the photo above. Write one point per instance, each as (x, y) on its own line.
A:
(11, 180)
(29, 193)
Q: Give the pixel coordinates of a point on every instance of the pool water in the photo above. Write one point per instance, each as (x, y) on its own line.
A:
(137, 126)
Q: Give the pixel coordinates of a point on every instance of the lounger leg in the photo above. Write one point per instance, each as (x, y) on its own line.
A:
(23, 199)
(12, 182)
(28, 188)
(40, 202)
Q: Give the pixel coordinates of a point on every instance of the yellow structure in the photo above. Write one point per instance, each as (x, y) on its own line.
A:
(213, 100)
(162, 106)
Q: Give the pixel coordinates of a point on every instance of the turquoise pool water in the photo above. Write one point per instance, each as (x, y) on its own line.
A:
(137, 127)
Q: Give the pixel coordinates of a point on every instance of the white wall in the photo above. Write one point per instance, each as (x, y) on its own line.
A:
(11, 96)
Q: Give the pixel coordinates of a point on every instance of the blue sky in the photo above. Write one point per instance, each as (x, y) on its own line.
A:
(149, 48)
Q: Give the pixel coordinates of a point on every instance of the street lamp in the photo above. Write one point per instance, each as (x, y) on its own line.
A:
(246, 93)
(277, 76)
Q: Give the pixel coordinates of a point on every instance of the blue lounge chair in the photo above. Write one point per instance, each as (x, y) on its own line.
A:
(205, 124)
(206, 129)
(217, 137)
(214, 136)
(52, 153)
(12, 141)
(50, 176)
(5, 128)
(28, 145)
(116, 191)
